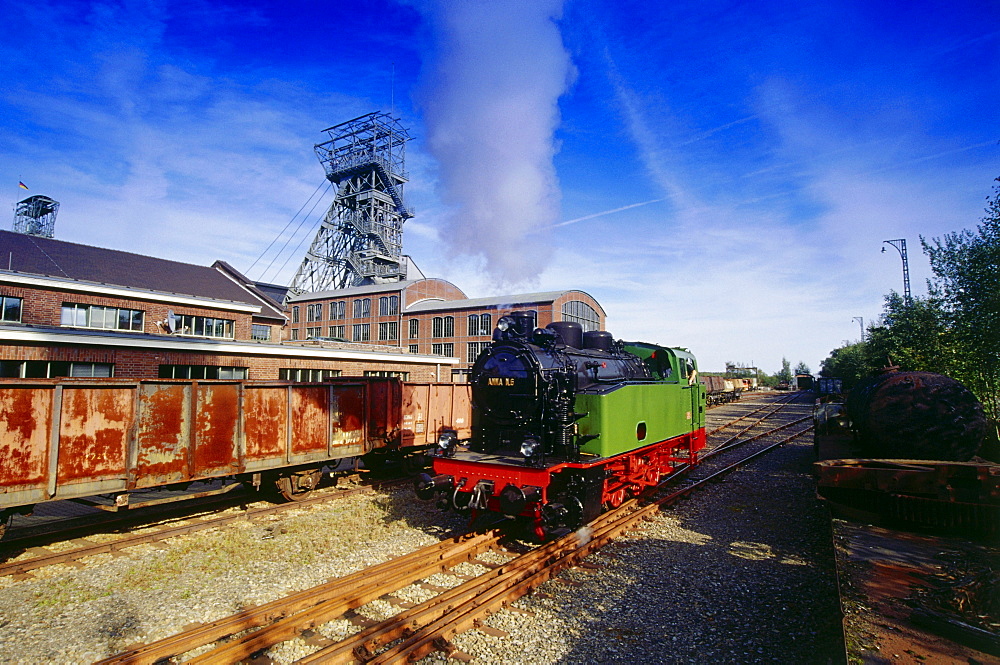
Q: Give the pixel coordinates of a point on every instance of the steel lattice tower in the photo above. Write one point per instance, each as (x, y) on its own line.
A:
(36, 216)
(360, 239)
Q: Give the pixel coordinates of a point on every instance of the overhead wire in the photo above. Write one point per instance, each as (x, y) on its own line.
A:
(280, 233)
(296, 252)
(305, 219)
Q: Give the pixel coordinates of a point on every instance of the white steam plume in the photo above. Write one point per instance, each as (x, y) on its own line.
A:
(491, 110)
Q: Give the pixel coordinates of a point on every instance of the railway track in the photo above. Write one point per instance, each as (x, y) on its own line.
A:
(417, 630)
(207, 517)
(205, 514)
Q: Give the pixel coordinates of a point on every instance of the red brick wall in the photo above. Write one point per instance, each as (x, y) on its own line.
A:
(43, 307)
(547, 313)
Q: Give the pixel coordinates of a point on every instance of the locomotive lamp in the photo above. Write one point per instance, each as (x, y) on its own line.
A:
(446, 444)
(531, 448)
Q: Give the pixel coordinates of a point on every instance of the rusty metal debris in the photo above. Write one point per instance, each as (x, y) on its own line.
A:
(956, 496)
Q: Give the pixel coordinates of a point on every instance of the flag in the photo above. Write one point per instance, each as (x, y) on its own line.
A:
(21, 185)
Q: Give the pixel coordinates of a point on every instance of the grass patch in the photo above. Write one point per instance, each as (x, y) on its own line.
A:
(304, 539)
(64, 591)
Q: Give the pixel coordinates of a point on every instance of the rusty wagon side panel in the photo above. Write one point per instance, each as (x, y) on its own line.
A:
(428, 409)
(72, 438)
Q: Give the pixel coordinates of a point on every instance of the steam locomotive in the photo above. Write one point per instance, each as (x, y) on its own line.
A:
(566, 423)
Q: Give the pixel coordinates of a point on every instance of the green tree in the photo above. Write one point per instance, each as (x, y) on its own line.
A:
(786, 371)
(848, 363)
(912, 334)
(966, 266)
(802, 368)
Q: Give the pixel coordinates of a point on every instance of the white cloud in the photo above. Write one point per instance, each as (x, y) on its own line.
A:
(491, 113)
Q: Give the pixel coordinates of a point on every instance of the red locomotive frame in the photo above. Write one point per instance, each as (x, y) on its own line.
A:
(625, 475)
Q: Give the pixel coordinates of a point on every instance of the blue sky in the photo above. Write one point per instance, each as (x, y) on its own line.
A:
(719, 175)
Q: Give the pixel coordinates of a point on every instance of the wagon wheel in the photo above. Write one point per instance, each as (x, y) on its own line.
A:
(297, 486)
(414, 463)
(5, 517)
(375, 462)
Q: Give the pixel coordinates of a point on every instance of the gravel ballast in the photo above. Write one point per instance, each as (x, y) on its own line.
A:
(740, 573)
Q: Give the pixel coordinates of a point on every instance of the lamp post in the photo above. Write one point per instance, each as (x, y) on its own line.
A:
(861, 322)
(900, 245)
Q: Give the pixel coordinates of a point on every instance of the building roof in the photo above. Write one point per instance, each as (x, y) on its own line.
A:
(272, 307)
(276, 292)
(366, 289)
(72, 261)
(499, 302)
(353, 291)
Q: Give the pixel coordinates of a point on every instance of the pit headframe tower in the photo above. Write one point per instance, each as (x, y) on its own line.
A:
(36, 216)
(360, 239)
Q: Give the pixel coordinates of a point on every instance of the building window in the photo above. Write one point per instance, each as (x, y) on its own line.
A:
(443, 326)
(362, 308)
(480, 324)
(10, 309)
(98, 316)
(259, 332)
(295, 335)
(201, 372)
(314, 312)
(44, 369)
(362, 332)
(313, 333)
(295, 314)
(582, 313)
(414, 328)
(91, 369)
(388, 305)
(307, 375)
(388, 331)
(443, 349)
(414, 348)
(404, 376)
(337, 309)
(460, 375)
(474, 349)
(204, 326)
(336, 332)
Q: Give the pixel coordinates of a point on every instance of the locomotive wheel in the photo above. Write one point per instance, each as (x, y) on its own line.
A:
(297, 486)
(616, 498)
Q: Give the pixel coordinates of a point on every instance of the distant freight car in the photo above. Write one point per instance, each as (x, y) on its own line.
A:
(75, 438)
(825, 385)
(719, 389)
(804, 381)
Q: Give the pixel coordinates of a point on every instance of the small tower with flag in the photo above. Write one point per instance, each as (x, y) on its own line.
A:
(36, 215)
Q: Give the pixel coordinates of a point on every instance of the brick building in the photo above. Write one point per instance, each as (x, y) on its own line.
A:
(429, 316)
(68, 309)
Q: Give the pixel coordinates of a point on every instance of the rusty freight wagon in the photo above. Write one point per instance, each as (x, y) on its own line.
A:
(77, 438)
